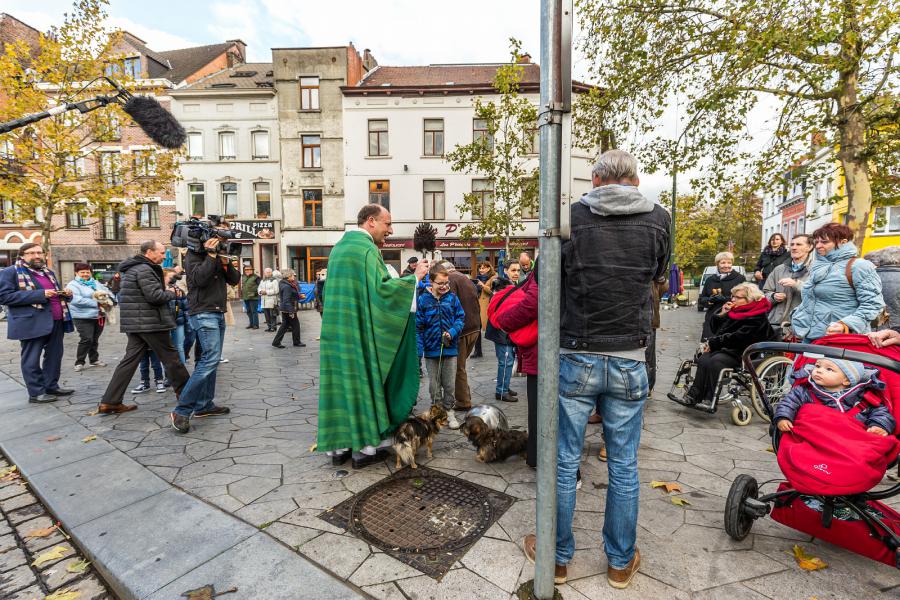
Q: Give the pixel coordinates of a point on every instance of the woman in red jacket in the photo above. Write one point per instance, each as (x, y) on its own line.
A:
(512, 319)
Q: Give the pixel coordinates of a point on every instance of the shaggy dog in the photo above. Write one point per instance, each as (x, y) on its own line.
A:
(106, 304)
(416, 432)
(493, 445)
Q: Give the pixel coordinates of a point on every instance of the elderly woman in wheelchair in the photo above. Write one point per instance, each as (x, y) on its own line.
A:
(742, 321)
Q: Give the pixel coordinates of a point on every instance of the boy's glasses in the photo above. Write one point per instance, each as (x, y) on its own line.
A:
(445, 284)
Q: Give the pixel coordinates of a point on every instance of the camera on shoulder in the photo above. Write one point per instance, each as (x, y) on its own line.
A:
(194, 233)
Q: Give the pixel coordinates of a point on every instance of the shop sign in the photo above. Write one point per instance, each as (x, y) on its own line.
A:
(254, 230)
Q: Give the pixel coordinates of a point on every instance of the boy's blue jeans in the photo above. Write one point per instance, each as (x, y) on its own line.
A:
(150, 358)
(199, 391)
(619, 387)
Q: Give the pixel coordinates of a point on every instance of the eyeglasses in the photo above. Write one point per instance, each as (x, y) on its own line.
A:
(444, 284)
(34, 253)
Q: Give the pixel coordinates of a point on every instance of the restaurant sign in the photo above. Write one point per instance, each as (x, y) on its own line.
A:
(254, 230)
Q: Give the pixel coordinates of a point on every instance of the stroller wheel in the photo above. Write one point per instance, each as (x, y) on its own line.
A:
(741, 415)
(737, 520)
(774, 375)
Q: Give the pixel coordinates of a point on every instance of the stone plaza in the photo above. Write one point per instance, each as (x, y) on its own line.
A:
(259, 466)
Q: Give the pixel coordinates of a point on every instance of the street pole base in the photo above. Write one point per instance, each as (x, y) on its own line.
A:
(526, 592)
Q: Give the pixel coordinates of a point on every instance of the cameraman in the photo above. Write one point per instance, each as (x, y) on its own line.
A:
(208, 274)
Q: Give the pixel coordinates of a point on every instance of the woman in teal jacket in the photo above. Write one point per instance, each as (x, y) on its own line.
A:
(87, 317)
(837, 298)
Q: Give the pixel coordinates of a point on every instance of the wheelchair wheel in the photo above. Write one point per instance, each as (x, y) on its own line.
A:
(741, 415)
(737, 522)
(774, 375)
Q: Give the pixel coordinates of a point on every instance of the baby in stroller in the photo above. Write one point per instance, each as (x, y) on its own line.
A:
(837, 384)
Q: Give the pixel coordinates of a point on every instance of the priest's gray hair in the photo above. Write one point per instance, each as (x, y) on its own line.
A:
(615, 165)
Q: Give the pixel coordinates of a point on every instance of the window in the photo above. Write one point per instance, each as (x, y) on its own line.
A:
(889, 219)
(433, 192)
(75, 215)
(380, 193)
(480, 131)
(378, 138)
(112, 226)
(226, 145)
(260, 143)
(7, 211)
(108, 128)
(74, 166)
(195, 145)
(133, 67)
(197, 194)
(311, 145)
(801, 225)
(484, 189)
(7, 150)
(434, 137)
(148, 215)
(110, 171)
(530, 198)
(309, 93)
(533, 140)
(262, 194)
(144, 163)
(229, 199)
(312, 208)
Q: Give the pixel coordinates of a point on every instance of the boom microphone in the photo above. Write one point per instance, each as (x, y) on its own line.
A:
(156, 121)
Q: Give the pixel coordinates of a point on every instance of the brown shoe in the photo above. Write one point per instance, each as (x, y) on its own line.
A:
(601, 456)
(113, 409)
(621, 578)
(461, 408)
(559, 573)
(594, 419)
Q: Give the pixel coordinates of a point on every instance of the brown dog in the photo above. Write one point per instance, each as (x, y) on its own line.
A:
(416, 432)
(493, 445)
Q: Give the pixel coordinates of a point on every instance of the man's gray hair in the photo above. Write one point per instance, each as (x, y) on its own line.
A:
(286, 273)
(448, 265)
(148, 246)
(615, 165)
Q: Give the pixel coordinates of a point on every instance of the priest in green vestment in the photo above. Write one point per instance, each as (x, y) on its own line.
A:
(368, 373)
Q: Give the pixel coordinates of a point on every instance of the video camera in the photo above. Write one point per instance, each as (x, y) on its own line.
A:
(193, 233)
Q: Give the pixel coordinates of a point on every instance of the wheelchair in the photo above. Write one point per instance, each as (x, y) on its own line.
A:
(736, 386)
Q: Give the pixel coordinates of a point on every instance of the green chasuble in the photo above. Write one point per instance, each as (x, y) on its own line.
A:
(368, 372)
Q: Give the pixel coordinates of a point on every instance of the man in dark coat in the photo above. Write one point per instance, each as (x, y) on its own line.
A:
(468, 297)
(38, 318)
(147, 321)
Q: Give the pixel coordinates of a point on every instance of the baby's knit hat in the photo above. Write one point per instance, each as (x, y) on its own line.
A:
(853, 371)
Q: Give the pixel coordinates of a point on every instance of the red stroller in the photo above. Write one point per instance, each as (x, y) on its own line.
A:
(849, 513)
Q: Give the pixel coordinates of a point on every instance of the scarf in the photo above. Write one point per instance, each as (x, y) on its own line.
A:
(26, 283)
(760, 307)
(91, 283)
(772, 252)
(795, 268)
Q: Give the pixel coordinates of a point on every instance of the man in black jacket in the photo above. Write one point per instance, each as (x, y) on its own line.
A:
(619, 244)
(147, 321)
(208, 274)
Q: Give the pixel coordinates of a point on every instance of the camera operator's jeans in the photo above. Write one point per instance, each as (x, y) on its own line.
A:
(618, 387)
(199, 391)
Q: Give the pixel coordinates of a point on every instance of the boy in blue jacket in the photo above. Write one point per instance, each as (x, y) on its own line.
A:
(439, 321)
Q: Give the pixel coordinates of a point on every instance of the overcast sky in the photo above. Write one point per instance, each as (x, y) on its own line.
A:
(398, 32)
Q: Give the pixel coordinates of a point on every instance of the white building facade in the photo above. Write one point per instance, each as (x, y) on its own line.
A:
(232, 165)
(398, 125)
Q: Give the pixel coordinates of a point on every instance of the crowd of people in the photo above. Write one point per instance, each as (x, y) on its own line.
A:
(378, 326)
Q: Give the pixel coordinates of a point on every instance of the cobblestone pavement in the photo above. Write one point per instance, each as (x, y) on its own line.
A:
(21, 516)
(257, 465)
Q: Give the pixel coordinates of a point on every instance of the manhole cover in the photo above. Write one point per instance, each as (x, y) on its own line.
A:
(424, 518)
(418, 514)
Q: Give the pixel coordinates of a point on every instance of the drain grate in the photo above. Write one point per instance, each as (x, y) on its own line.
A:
(424, 518)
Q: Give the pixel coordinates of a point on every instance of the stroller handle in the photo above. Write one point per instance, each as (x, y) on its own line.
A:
(824, 351)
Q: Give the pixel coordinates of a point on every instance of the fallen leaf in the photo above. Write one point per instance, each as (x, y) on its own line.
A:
(54, 438)
(7, 470)
(678, 501)
(40, 533)
(51, 555)
(669, 486)
(313, 447)
(266, 524)
(64, 594)
(89, 438)
(770, 449)
(807, 562)
(93, 413)
(207, 592)
(78, 567)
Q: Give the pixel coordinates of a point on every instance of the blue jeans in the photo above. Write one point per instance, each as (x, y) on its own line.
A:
(199, 391)
(150, 358)
(178, 341)
(506, 358)
(251, 306)
(621, 387)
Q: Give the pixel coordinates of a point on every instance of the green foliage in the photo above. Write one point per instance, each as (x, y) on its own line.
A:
(502, 158)
(56, 165)
(828, 67)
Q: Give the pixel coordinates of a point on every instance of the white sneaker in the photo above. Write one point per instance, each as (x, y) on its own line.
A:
(223, 360)
(79, 368)
(452, 423)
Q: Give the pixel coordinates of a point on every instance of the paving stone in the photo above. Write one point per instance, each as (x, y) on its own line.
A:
(12, 490)
(10, 559)
(7, 543)
(24, 514)
(495, 560)
(251, 488)
(20, 501)
(29, 593)
(37, 545)
(265, 512)
(59, 576)
(69, 552)
(89, 588)
(339, 554)
(381, 568)
(459, 584)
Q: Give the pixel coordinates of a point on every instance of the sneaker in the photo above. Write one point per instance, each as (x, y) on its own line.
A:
(578, 481)
(79, 368)
(99, 363)
(621, 578)
(180, 424)
(214, 411)
(559, 573)
(223, 360)
(160, 387)
(144, 387)
(452, 423)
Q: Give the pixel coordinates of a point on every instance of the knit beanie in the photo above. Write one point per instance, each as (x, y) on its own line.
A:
(852, 370)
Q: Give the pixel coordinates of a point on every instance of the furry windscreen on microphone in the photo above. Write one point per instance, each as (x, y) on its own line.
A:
(156, 121)
(424, 238)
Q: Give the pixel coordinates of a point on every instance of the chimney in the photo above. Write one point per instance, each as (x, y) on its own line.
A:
(524, 59)
(238, 53)
(369, 61)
